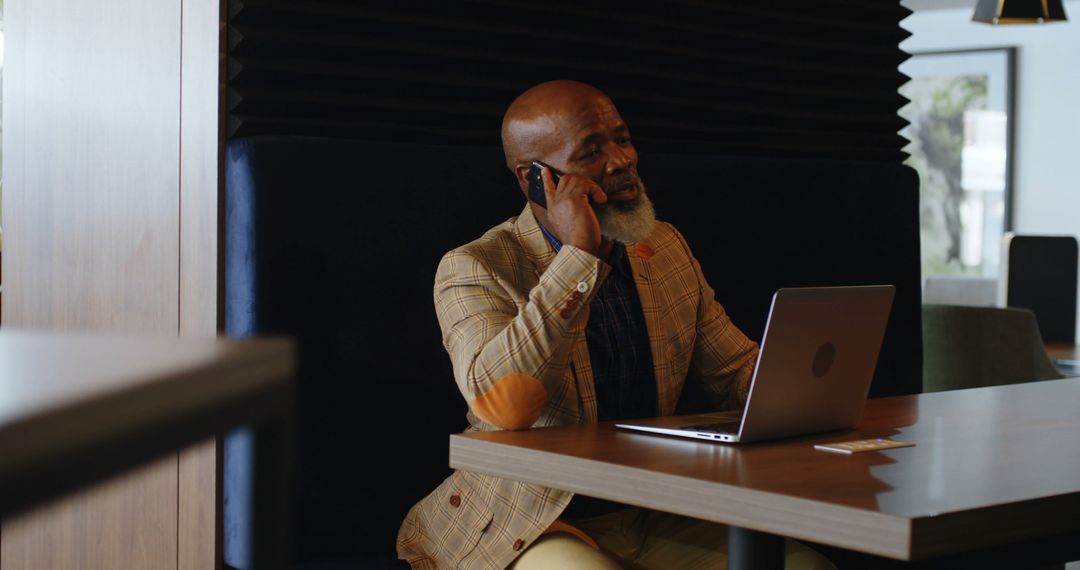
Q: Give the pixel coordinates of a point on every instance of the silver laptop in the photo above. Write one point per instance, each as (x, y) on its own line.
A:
(813, 372)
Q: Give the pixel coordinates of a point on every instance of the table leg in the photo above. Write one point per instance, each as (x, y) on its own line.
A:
(753, 549)
(271, 513)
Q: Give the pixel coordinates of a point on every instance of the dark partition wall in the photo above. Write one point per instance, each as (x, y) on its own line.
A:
(345, 264)
(344, 234)
(780, 78)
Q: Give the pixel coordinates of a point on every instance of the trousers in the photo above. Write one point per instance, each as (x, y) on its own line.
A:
(644, 539)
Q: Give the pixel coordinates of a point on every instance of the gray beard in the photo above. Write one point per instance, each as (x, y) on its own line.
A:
(627, 222)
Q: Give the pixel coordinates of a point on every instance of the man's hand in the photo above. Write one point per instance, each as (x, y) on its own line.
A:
(569, 212)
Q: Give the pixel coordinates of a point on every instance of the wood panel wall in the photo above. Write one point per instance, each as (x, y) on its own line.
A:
(201, 189)
(111, 157)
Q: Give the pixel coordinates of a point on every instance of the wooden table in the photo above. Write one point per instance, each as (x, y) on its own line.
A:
(75, 409)
(991, 466)
(1063, 351)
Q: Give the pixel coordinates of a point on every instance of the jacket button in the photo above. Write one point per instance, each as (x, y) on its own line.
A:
(519, 544)
(455, 501)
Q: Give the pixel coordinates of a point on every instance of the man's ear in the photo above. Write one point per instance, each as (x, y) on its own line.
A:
(521, 172)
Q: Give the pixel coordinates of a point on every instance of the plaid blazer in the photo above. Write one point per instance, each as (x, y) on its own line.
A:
(513, 316)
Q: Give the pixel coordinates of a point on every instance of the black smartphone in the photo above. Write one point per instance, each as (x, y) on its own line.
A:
(536, 182)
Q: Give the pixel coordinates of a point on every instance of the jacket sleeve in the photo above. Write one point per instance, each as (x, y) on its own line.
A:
(507, 361)
(724, 358)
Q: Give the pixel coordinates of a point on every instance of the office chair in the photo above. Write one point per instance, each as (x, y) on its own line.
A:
(970, 347)
(1039, 273)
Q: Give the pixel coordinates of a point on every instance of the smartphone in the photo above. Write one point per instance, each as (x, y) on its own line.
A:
(536, 182)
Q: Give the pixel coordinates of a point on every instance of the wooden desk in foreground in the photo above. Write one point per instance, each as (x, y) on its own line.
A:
(75, 409)
(991, 466)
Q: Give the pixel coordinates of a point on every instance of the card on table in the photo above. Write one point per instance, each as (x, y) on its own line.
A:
(860, 445)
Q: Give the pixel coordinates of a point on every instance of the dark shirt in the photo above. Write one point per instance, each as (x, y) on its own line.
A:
(618, 343)
(621, 359)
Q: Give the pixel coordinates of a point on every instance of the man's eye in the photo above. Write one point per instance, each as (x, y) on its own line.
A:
(623, 140)
(590, 153)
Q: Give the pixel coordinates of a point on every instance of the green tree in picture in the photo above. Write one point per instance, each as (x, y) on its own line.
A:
(936, 114)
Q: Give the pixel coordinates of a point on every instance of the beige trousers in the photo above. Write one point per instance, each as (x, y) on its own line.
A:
(642, 539)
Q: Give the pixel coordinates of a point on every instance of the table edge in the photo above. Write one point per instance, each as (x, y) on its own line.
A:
(827, 523)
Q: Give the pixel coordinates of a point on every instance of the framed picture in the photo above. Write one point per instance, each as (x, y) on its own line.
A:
(961, 132)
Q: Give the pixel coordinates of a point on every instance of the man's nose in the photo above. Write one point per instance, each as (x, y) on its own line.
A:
(618, 160)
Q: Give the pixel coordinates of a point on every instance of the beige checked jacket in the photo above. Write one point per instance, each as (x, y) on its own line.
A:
(513, 316)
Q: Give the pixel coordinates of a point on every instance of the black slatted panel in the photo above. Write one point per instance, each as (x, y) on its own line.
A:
(763, 78)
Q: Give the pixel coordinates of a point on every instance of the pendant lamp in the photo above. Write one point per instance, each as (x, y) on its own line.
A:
(1019, 11)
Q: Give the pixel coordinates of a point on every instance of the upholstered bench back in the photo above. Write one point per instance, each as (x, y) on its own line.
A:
(335, 243)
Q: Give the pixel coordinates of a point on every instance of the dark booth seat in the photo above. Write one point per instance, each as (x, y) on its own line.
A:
(336, 242)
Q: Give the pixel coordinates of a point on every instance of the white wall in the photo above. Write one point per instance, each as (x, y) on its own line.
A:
(1046, 183)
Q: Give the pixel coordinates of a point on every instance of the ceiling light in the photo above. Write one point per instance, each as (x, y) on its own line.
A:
(1019, 11)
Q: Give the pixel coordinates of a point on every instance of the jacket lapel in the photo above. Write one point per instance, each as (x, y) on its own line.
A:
(645, 279)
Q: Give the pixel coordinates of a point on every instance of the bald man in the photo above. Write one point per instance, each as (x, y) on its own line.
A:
(586, 310)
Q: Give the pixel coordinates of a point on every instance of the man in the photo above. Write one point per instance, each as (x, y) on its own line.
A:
(583, 311)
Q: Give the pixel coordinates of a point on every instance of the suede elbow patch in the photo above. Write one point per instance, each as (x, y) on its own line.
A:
(514, 402)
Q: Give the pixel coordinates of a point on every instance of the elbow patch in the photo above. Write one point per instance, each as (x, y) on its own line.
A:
(514, 402)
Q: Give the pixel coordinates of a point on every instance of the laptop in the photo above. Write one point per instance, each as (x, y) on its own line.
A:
(813, 371)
